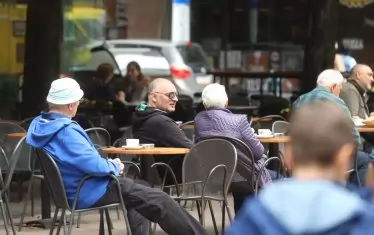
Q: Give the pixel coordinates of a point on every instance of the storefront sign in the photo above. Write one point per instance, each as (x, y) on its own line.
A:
(353, 43)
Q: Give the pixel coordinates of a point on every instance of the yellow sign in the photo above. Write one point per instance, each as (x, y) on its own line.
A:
(356, 3)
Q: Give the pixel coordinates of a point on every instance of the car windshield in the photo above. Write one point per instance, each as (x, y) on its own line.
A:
(193, 56)
(152, 63)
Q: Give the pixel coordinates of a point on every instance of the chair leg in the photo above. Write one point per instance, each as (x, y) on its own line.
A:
(70, 222)
(203, 205)
(29, 190)
(228, 209)
(62, 217)
(101, 228)
(118, 215)
(3, 213)
(79, 220)
(32, 198)
(213, 217)
(54, 221)
(108, 222)
(7, 207)
(198, 210)
(223, 216)
(124, 211)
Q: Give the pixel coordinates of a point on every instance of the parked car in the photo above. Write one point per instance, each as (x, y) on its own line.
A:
(187, 62)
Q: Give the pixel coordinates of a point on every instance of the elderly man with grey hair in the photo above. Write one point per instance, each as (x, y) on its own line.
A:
(217, 120)
(329, 85)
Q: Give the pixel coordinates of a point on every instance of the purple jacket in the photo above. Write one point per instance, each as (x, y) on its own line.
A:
(221, 122)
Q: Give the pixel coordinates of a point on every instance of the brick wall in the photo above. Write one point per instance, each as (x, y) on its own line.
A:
(147, 18)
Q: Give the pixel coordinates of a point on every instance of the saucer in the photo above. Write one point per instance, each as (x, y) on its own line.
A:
(133, 147)
(264, 136)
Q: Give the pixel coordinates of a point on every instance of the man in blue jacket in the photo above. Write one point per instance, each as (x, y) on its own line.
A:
(315, 201)
(76, 157)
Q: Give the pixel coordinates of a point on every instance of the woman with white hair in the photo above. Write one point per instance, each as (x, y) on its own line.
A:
(217, 120)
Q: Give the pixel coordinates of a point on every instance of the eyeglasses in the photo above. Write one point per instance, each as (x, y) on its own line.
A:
(170, 95)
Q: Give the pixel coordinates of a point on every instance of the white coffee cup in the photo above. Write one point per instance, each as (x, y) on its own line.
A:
(132, 142)
(264, 132)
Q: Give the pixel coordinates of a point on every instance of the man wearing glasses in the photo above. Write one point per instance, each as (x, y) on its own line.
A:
(151, 123)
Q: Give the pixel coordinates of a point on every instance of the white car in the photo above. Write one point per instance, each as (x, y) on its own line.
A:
(186, 61)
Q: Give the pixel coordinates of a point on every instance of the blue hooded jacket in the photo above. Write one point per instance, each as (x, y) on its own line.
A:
(293, 207)
(74, 154)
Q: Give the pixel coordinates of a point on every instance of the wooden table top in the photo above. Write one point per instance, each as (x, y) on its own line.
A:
(275, 139)
(16, 135)
(365, 129)
(154, 151)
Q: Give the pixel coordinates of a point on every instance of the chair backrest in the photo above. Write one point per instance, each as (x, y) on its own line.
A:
(188, 129)
(7, 127)
(13, 162)
(266, 122)
(99, 136)
(127, 132)
(4, 162)
(202, 159)
(245, 158)
(26, 122)
(280, 127)
(52, 177)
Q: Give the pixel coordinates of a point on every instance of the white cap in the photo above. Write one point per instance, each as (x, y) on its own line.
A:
(64, 91)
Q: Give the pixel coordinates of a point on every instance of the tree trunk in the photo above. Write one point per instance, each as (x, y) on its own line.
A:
(320, 46)
(44, 28)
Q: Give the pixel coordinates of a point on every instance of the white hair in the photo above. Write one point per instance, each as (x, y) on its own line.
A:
(214, 96)
(330, 77)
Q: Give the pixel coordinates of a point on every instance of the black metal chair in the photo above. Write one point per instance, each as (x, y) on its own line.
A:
(246, 160)
(206, 175)
(56, 188)
(263, 168)
(280, 127)
(25, 123)
(99, 136)
(188, 131)
(5, 184)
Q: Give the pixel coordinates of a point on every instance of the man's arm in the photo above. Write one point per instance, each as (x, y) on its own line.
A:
(171, 135)
(82, 156)
(351, 100)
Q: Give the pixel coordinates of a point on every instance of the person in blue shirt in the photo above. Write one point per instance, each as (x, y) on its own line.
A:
(56, 133)
(315, 201)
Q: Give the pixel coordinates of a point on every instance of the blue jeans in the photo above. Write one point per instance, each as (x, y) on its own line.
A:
(273, 175)
(363, 159)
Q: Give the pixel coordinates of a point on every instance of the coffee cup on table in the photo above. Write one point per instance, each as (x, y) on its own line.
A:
(264, 132)
(132, 142)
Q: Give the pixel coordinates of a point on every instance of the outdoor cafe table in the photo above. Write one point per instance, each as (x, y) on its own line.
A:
(145, 161)
(365, 129)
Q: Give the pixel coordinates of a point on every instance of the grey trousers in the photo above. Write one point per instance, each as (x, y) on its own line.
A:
(146, 204)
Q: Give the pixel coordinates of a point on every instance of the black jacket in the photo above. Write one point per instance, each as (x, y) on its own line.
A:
(154, 126)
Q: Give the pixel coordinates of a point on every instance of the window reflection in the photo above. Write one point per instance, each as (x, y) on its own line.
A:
(84, 26)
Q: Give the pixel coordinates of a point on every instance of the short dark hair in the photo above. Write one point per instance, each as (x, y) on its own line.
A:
(104, 70)
(318, 131)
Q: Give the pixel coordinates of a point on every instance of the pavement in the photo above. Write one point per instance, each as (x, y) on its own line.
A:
(90, 220)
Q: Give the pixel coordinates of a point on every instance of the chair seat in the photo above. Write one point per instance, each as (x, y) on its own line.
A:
(97, 208)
